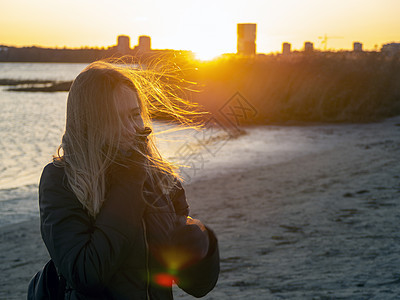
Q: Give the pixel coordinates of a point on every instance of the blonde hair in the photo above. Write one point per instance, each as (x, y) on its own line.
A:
(90, 143)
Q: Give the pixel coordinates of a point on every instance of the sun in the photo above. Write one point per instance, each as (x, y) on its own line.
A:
(211, 47)
(211, 51)
(206, 54)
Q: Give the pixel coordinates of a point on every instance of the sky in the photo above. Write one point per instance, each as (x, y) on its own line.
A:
(207, 27)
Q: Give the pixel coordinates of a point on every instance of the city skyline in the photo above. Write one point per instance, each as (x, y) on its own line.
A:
(208, 29)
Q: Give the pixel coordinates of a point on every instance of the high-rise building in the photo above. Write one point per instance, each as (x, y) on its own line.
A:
(123, 44)
(357, 47)
(308, 47)
(246, 38)
(286, 48)
(144, 43)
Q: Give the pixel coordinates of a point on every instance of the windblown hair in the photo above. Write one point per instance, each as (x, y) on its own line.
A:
(93, 132)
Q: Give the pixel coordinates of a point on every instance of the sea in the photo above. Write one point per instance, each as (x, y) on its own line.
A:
(32, 124)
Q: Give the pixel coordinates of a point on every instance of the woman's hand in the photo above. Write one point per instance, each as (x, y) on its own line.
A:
(191, 221)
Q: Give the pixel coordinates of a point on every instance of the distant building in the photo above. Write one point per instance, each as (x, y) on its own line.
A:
(286, 48)
(86, 54)
(144, 44)
(357, 47)
(123, 44)
(246, 39)
(308, 47)
(391, 48)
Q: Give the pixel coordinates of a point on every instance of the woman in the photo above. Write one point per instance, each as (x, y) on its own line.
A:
(114, 216)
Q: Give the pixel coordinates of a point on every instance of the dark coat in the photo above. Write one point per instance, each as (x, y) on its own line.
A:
(117, 255)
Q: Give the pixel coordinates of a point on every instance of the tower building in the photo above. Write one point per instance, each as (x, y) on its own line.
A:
(286, 48)
(144, 43)
(123, 44)
(246, 38)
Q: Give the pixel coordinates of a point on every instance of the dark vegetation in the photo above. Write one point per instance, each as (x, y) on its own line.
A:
(318, 87)
(338, 87)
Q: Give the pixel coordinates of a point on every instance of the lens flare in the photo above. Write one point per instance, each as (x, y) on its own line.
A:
(175, 258)
(165, 279)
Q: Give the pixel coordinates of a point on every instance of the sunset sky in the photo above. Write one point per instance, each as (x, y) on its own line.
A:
(207, 27)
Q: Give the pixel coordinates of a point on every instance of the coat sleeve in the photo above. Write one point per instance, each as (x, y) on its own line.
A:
(88, 253)
(199, 279)
(178, 198)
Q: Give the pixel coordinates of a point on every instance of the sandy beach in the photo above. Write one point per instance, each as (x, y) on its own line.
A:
(323, 225)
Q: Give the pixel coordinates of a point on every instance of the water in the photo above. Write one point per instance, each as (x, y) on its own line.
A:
(31, 125)
(40, 71)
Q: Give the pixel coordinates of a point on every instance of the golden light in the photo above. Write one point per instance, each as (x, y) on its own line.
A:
(213, 47)
(206, 55)
(210, 47)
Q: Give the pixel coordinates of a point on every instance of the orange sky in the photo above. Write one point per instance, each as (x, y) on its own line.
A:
(206, 27)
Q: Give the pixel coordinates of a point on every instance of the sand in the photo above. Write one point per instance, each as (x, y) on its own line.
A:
(320, 226)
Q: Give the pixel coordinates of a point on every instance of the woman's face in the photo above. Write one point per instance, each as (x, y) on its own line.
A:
(130, 114)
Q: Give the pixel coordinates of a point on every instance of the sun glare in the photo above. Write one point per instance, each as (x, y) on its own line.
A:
(206, 55)
(210, 51)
